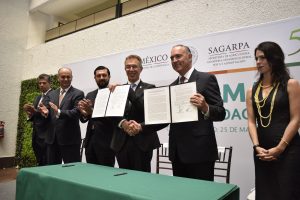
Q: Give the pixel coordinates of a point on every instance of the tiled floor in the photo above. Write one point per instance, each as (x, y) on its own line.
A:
(8, 183)
(8, 174)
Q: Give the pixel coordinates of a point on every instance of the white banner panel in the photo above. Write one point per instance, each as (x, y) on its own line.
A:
(229, 55)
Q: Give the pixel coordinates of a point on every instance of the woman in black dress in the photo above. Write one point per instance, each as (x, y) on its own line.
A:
(273, 107)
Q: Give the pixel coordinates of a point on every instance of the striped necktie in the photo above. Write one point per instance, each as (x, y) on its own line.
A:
(133, 86)
(61, 96)
(181, 80)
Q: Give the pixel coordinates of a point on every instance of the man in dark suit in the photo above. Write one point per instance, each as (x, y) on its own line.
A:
(39, 123)
(192, 145)
(99, 130)
(134, 149)
(64, 137)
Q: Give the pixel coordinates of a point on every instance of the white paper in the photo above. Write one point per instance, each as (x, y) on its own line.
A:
(117, 101)
(182, 109)
(157, 105)
(101, 103)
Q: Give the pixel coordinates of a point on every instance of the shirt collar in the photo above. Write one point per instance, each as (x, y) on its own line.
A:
(136, 83)
(188, 74)
(46, 92)
(66, 90)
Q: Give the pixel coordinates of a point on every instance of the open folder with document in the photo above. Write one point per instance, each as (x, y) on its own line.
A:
(111, 104)
(170, 104)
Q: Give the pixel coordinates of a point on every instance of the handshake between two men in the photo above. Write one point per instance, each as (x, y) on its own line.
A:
(130, 127)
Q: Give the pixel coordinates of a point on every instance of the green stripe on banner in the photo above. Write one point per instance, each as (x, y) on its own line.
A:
(294, 64)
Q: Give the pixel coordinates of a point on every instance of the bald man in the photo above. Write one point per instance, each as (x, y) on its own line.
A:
(64, 136)
(192, 145)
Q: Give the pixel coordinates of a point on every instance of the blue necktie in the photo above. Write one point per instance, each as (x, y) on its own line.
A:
(133, 86)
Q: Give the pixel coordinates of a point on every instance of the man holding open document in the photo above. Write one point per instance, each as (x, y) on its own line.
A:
(99, 130)
(133, 148)
(192, 145)
(190, 105)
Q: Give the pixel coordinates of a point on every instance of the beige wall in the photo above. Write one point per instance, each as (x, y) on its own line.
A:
(13, 37)
(167, 22)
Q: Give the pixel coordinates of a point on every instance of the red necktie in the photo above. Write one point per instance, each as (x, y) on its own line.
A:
(181, 80)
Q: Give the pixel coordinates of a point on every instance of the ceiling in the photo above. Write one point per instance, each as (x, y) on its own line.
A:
(70, 10)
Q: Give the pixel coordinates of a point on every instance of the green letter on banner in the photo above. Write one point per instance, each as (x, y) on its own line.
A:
(240, 91)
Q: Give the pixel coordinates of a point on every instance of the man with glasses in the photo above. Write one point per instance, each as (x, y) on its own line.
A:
(134, 148)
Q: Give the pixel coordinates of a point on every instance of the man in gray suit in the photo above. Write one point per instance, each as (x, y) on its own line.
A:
(64, 136)
(192, 145)
(39, 123)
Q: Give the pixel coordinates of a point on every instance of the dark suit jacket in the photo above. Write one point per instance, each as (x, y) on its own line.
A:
(65, 128)
(101, 128)
(195, 142)
(134, 110)
(40, 125)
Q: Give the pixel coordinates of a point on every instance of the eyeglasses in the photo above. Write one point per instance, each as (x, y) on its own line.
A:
(128, 67)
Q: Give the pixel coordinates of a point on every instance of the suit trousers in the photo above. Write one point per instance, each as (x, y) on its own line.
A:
(67, 153)
(96, 154)
(202, 171)
(131, 157)
(40, 150)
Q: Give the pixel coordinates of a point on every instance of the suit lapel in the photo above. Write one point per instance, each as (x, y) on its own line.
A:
(37, 100)
(56, 96)
(193, 76)
(176, 82)
(43, 100)
(139, 88)
(93, 97)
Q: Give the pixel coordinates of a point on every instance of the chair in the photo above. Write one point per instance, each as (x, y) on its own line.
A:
(162, 158)
(222, 165)
(251, 195)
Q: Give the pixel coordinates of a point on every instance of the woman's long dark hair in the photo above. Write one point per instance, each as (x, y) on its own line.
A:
(275, 58)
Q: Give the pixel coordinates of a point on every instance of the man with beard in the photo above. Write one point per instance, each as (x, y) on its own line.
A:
(99, 130)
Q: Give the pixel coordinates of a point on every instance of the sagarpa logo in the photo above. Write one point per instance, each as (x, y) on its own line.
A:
(295, 35)
(194, 54)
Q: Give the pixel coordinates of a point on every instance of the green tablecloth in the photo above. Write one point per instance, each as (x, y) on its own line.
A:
(78, 181)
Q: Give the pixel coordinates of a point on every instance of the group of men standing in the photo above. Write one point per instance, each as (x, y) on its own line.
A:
(56, 130)
(192, 145)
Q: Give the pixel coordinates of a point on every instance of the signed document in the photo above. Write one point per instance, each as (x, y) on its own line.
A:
(157, 105)
(111, 104)
(182, 109)
(170, 104)
(101, 103)
(117, 101)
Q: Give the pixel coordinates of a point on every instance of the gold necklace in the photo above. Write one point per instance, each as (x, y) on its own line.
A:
(264, 98)
(264, 87)
(258, 106)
